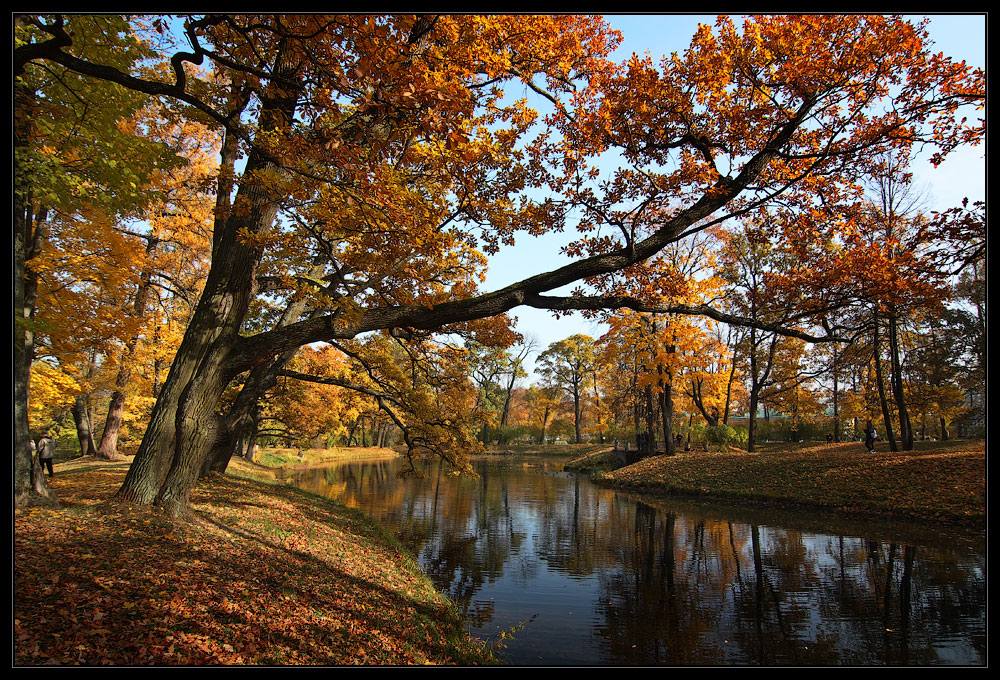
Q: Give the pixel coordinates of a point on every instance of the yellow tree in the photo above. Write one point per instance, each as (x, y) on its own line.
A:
(79, 170)
(674, 355)
(177, 251)
(569, 365)
(542, 404)
(309, 410)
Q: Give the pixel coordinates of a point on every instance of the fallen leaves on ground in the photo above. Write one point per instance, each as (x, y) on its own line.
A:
(943, 481)
(259, 575)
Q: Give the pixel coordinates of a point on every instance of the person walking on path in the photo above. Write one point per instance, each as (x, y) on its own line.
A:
(46, 449)
(870, 436)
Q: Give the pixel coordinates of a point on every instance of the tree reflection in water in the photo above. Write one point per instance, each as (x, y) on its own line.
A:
(616, 579)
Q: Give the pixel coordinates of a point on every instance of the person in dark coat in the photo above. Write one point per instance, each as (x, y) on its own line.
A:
(46, 450)
(870, 436)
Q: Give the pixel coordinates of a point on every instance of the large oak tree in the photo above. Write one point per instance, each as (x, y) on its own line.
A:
(386, 148)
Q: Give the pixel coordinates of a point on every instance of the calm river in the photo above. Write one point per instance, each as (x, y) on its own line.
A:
(592, 576)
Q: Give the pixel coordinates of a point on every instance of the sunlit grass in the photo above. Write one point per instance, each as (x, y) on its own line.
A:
(943, 481)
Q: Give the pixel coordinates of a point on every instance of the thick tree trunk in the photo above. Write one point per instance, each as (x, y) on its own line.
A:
(108, 448)
(245, 409)
(752, 421)
(84, 432)
(30, 485)
(184, 427)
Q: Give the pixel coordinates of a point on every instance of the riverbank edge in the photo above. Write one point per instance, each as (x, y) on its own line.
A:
(945, 484)
(64, 607)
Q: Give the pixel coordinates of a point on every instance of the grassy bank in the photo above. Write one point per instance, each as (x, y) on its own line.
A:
(263, 575)
(294, 458)
(939, 481)
(564, 450)
(604, 459)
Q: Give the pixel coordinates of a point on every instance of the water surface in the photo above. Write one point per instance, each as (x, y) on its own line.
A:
(585, 575)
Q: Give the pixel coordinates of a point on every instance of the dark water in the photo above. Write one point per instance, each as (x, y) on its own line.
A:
(598, 577)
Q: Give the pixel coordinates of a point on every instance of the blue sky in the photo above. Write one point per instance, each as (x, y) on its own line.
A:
(960, 36)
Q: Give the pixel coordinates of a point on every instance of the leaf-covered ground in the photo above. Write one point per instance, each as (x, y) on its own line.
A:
(602, 460)
(261, 575)
(943, 481)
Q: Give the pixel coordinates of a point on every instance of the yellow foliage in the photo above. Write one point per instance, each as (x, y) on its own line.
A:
(52, 389)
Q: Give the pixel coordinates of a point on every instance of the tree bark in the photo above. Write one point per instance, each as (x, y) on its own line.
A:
(184, 427)
(881, 388)
(896, 381)
(84, 432)
(30, 485)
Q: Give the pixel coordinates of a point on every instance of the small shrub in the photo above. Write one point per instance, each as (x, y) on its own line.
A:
(723, 435)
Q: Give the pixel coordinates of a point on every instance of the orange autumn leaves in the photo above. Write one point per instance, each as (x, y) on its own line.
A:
(403, 159)
(98, 257)
(412, 149)
(790, 111)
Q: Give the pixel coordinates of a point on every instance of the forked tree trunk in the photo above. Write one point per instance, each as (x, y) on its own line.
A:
(184, 428)
(711, 416)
